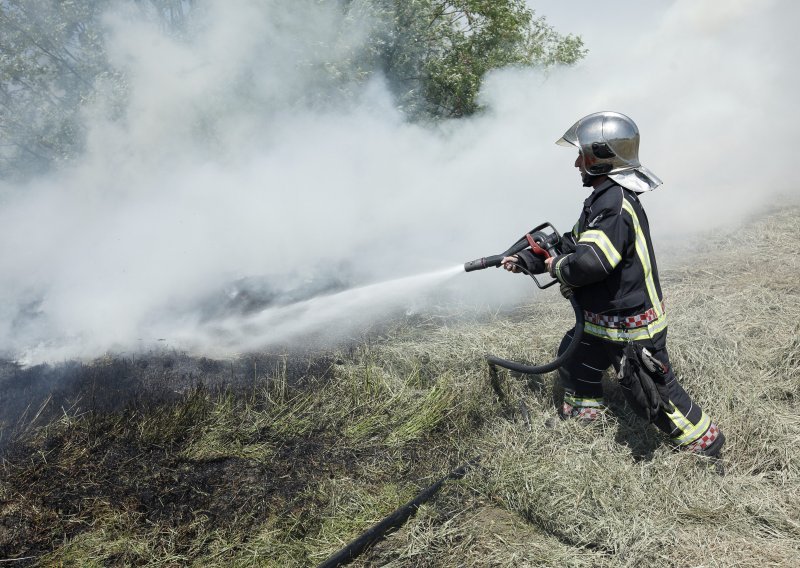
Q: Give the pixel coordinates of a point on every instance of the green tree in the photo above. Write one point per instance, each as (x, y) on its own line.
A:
(436, 52)
(49, 58)
(52, 58)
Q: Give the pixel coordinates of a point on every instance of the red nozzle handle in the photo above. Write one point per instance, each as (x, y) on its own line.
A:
(537, 250)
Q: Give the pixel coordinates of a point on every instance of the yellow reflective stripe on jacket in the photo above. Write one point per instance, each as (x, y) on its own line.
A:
(690, 432)
(604, 244)
(644, 258)
(621, 334)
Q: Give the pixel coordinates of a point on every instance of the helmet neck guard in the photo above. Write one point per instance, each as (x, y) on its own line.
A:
(608, 143)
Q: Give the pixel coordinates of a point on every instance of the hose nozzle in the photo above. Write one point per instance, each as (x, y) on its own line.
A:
(485, 262)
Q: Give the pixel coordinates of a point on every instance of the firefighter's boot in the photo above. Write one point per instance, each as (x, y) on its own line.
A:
(583, 409)
(708, 445)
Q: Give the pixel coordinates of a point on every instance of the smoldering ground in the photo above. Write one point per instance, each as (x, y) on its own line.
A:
(225, 174)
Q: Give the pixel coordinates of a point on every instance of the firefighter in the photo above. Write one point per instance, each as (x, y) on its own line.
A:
(607, 262)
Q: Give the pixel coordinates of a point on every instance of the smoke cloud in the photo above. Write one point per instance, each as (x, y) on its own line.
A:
(224, 188)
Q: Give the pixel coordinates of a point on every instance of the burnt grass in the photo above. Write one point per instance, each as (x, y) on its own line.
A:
(118, 470)
(278, 459)
(99, 456)
(114, 437)
(113, 383)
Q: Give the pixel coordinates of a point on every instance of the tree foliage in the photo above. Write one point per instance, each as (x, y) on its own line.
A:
(434, 54)
(52, 61)
(50, 56)
(438, 51)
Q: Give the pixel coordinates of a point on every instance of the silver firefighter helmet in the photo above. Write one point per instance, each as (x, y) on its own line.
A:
(609, 145)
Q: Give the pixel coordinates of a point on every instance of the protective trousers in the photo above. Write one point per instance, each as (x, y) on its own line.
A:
(581, 378)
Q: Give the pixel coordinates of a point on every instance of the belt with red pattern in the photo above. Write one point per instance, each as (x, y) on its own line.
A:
(623, 322)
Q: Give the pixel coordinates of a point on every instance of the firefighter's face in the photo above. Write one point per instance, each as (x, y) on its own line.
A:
(585, 178)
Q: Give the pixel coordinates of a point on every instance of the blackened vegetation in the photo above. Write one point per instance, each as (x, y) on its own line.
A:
(35, 395)
(173, 448)
(59, 489)
(122, 422)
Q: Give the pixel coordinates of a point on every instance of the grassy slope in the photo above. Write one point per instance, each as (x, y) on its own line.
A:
(282, 475)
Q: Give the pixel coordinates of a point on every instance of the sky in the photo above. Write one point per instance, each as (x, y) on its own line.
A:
(156, 237)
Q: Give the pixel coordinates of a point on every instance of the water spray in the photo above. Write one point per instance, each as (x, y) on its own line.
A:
(543, 241)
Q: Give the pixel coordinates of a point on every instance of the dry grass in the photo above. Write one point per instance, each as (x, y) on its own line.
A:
(283, 475)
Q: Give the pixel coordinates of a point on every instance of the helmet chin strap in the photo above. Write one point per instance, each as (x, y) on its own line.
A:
(586, 179)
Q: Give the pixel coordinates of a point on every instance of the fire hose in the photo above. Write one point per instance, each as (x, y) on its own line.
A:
(394, 520)
(555, 363)
(544, 244)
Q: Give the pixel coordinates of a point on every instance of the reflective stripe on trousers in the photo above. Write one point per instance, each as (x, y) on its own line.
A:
(582, 377)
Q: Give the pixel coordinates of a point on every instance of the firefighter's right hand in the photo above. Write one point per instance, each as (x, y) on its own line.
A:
(511, 263)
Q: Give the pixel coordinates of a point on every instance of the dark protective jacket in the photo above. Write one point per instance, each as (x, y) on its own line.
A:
(608, 259)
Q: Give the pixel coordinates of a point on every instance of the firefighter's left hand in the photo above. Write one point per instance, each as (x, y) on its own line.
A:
(510, 263)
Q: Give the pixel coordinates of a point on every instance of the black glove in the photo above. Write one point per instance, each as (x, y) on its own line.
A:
(643, 382)
(533, 263)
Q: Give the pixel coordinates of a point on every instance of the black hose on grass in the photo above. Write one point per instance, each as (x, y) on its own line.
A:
(552, 365)
(393, 520)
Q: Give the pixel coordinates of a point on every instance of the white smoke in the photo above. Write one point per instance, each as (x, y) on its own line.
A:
(221, 167)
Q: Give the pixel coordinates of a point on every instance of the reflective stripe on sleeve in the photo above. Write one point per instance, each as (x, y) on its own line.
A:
(559, 261)
(602, 241)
